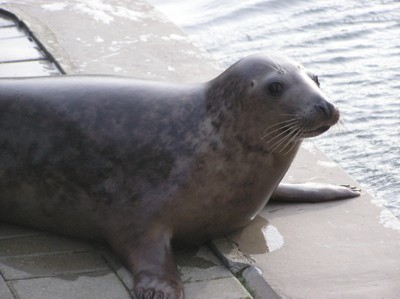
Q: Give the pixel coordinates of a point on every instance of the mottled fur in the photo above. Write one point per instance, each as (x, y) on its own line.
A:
(143, 164)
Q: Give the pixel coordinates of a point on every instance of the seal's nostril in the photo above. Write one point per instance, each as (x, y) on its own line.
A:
(325, 108)
(322, 109)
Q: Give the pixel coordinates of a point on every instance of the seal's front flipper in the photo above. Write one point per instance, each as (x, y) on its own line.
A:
(313, 192)
(152, 263)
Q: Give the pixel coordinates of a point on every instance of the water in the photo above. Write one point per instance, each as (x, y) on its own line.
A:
(354, 47)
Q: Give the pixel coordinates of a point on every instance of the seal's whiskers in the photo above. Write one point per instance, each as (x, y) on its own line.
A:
(289, 114)
(341, 126)
(286, 128)
(294, 141)
(281, 141)
(274, 68)
(278, 67)
(292, 131)
(282, 125)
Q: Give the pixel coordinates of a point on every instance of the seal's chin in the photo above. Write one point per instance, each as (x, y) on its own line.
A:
(315, 132)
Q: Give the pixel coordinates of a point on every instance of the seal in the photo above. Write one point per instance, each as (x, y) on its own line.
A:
(148, 166)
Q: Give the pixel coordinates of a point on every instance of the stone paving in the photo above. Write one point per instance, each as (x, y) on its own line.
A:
(39, 265)
(20, 55)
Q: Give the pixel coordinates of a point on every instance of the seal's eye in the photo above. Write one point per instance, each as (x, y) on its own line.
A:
(275, 88)
(315, 79)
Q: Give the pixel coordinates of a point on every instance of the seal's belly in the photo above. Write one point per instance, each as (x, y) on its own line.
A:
(217, 202)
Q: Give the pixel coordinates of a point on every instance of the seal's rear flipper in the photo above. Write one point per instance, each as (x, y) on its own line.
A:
(313, 192)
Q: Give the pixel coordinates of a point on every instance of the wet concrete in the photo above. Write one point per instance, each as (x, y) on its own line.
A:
(341, 249)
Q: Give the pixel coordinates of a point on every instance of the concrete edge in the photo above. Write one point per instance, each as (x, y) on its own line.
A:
(242, 267)
(230, 254)
(257, 285)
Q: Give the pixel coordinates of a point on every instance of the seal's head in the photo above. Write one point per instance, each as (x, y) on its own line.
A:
(279, 100)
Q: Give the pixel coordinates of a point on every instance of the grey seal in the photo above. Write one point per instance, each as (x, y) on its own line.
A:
(147, 166)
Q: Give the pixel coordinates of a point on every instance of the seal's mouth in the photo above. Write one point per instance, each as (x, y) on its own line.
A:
(316, 132)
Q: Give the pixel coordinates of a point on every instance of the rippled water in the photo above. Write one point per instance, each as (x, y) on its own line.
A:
(354, 46)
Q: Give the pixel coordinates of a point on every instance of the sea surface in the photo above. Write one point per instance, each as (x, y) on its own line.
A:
(353, 46)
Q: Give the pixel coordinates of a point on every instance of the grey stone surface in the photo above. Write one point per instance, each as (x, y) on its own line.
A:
(39, 245)
(20, 55)
(116, 265)
(199, 265)
(223, 288)
(10, 32)
(204, 276)
(342, 249)
(17, 49)
(6, 21)
(11, 231)
(51, 265)
(28, 69)
(117, 37)
(99, 285)
(5, 292)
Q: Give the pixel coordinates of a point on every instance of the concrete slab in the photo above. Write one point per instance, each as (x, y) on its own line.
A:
(41, 244)
(199, 265)
(223, 288)
(5, 292)
(204, 276)
(18, 49)
(11, 232)
(28, 69)
(20, 56)
(342, 249)
(51, 265)
(99, 285)
(114, 37)
(10, 32)
(5, 21)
